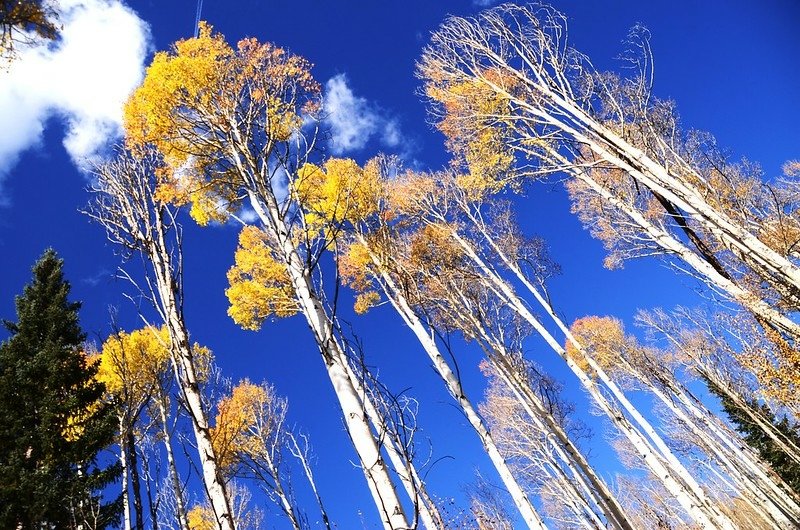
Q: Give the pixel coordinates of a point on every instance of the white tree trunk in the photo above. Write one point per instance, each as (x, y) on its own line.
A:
(609, 146)
(377, 475)
(716, 280)
(771, 491)
(524, 505)
(786, 445)
(183, 365)
(788, 505)
(180, 507)
(405, 468)
(123, 459)
(582, 472)
(661, 461)
(285, 503)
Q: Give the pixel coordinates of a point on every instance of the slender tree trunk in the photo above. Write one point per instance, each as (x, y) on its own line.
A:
(180, 507)
(676, 478)
(583, 473)
(671, 245)
(184, 367)
(285, 503)
(774, 508)
(564, 114)
(375, 470)
(786, 445)
(769, 487)
(130, 443)
(123, 459)
(404, 467)
(524, 505)
(301, 455)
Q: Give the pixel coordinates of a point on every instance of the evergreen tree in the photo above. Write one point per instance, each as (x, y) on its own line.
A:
(52, 422)
(759, 440)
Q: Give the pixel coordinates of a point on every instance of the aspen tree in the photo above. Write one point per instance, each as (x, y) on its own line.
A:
(710, 348)
(136, 220)
(229, 124)
(432, 201)
(606, 341)
(507, 90)
(440, 284)
(250, 436)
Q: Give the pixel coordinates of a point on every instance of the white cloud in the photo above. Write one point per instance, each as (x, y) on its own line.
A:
(353, 121)
(248, 215)
(83, 78)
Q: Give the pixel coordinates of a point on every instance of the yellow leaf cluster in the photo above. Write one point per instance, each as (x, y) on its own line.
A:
(603, 338)
(176, 86)
(259, 283)
(355, 262)
(201, 518)
(366, 301)
(190, 105)
(412, 193)
(474, 121)
(236, 432)
(778, 371)
(339, 191)
(75, 427)
(433, 248)
(131, 363)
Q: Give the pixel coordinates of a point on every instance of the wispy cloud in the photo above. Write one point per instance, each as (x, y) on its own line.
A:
(353, 121)
(101, 276)
(83, 78)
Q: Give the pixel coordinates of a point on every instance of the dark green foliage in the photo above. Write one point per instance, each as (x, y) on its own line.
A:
(756, 438)
(48, 479)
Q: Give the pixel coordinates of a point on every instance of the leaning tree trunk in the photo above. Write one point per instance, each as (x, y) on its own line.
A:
(788, 506)
(380, 483)
(186, 374)
(555, 107)
(778, 438)
(766, 497)
(661, 460)
(582, 472)
(404, 466)
(180, 507)
(524, 505)
(775, 491)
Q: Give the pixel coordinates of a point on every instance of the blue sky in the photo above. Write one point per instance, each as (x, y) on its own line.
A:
(731, 66)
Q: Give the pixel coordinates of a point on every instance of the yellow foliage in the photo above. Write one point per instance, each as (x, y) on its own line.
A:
(131, 363)
(603, 338)
(355, 262)
(366, 301)
(237, 430)
(474, 119)
(777, 369)
(201, 518)
(175, 84)
(338, 192)
(433, 248)
(75, 424)
(412, 193)
(187, 106)
(259, 283)
(208, 206)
